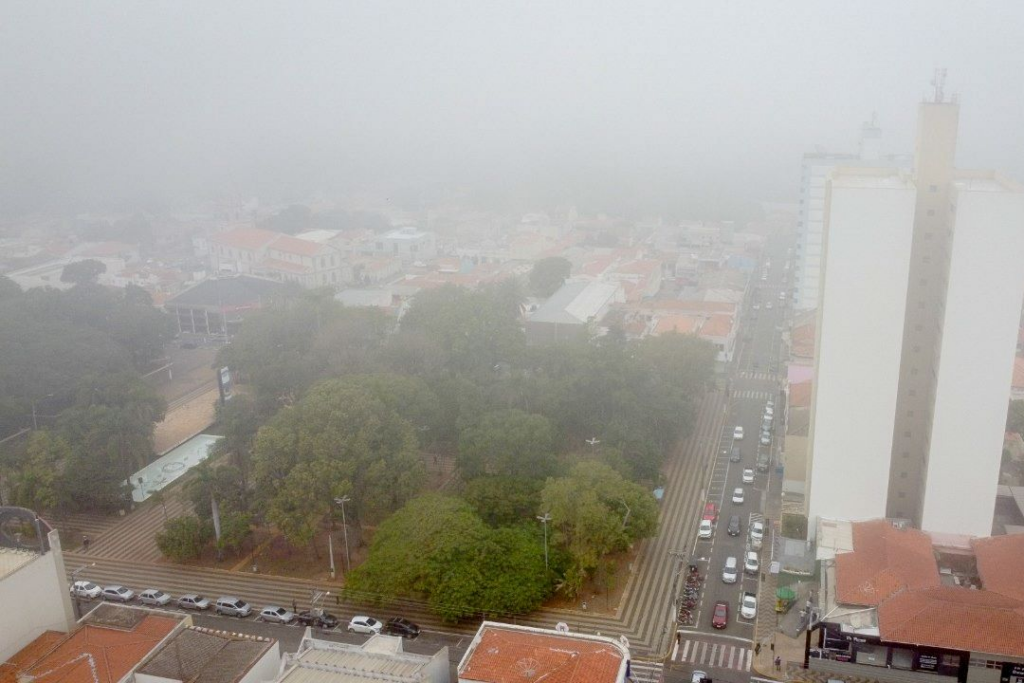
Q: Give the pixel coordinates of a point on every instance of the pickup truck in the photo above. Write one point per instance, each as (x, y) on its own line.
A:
(748, 605)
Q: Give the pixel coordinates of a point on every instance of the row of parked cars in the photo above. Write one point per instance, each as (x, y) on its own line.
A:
(236, 607)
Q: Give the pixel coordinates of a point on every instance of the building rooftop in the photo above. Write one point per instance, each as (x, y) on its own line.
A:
(200, 655)
(300, 247)
(955, 618)
(999, 559)
(502, 653)
(240, 291)
(11, 670)
(12, 559)
(884, 561)
(111, 641)
(800, 394)
(575, 303)
(276, 264)
(381, 658)
(683, 324)
(245, 238)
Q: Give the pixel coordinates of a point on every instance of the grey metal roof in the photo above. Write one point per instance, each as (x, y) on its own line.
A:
(230, 292)
(202, 655)
(575, 303)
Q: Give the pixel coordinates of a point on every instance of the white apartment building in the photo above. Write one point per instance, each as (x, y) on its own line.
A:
(409, 244)
(917, 327)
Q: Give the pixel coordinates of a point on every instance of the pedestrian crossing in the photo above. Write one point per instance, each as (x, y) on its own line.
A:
(763, 376)
(702, 653)
(751, 393)
(646, 672)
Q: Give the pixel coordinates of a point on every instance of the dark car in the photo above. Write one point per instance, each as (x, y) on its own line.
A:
(720, 617)
(317, 619)
(734, 526)
(400, 626)
(736, 454)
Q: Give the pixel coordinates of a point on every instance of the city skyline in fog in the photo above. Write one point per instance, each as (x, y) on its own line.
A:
(684, 109)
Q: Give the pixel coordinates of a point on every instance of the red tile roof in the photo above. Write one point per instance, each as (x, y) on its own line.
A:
(884, 561)
(686, 306)
(508, 656)
(955, 618)
(28, 655)
(98, 654)
(245, 238)
(800, 394)
(718, 325)
(999, 564)
(642, 267)
(294, 245)
(683, 324)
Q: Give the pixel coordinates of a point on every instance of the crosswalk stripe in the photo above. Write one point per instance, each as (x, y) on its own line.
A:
(686, 650)
(750, 657)
(675, 650)
(732, 656)
(719, 655)
(703, 649)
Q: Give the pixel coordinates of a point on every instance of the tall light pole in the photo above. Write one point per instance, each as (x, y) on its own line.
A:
(344, 524)
(78, 607)
(544, 519)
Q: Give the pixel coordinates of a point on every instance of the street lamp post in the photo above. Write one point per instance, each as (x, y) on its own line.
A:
(78, 606)
(544, 519)
(344, 525)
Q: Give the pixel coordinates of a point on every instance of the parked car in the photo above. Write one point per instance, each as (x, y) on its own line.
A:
(731, 570)
(118, 594)
(154, 597)
(230, 606)
(85, 589)
(318, 619)
(400, 626)
(736, 455)
(756, 535)
(766, 438)
(751, 564)
(276, 615)
(710, 512)
(361, 624)
(737, 433)
(737, 496)
(748, 605)
(193, 601)
(748, 475)
(734, 526)
(768, 305)
(720, 615)
(706, 530)
(769, 411)
(698, 676)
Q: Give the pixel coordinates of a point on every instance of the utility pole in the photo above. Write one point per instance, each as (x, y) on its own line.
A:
(544, 519)
(344, 524)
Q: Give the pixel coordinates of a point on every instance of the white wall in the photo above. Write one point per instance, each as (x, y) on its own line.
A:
(983, 303)
(33, 599)
(860, 332)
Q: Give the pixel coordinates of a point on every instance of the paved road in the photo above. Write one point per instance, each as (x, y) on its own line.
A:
(728, 654)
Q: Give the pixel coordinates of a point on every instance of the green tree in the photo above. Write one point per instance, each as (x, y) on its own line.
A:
(548, 275)
(83, 272)
(305, 499)
(38, 483)
(235, 527)
(508, 443)
(503, 501)
(183, 538)
(9, 289)
(595, 512)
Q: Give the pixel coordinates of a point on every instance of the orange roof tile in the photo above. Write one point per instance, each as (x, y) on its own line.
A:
(245, 238)
(683, 324)
(800, 394)
(718, 325)
(29, 655)
(294, 245)
(955, 618)
(641, 267)
(999, 559)
(506, 656)
(98, 654)
(687, 306)
(884, 561)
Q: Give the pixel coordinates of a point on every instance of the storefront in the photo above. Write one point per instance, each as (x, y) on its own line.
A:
(838, 646)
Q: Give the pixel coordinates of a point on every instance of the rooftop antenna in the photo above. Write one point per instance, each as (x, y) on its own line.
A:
(939, 81)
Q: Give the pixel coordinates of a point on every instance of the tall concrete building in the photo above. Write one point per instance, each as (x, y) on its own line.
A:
(917, 325)
(816, 168)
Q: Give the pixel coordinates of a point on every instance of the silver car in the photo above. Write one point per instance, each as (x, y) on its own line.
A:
(85, 589)
(276, 615)
(193, 601)
(154, 597)
(118, 594)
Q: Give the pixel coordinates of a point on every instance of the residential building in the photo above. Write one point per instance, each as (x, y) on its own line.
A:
(816, 168)
(215, 308)
(238, 250)
(381, 658)
(900, 605)
(308, 263)
(909, 399)
(408, 244)
(506, 653)
(574, 311)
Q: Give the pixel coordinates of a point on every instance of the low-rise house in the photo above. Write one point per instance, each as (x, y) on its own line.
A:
(381, 658)
(204, 655)
(574, 311)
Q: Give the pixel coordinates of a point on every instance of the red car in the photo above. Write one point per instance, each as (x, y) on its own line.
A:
(710, 512)
(720, 617)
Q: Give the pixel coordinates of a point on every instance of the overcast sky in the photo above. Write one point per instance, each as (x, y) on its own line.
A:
(651, 106)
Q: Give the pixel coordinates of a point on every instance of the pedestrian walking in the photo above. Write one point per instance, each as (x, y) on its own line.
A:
(757, 649)
(295, 607)
(778, 663)
(85, 542)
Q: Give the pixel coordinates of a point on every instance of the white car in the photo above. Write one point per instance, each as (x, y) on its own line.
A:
(706, 529)
(362, 624)
(737, 433)
(737, 496)
(276, 615)
(769, 411)
(85, 589)
(118, 594)
(698, 676)
(751, 563)
(757, 307)
(756, 534)
(748, 606)
(748, 475)
(154, 597)
(766, 439)
(768, 305)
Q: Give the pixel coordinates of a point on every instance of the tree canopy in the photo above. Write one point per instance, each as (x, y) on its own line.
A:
(548, 275)
(83, 272)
